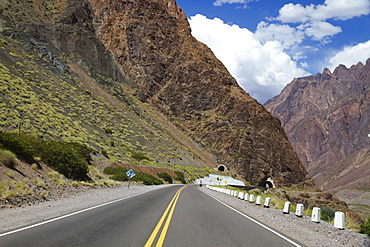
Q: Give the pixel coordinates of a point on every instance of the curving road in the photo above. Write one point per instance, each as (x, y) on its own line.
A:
(172, 216)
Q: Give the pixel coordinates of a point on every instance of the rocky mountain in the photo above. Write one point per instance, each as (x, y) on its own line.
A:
(124, 76)
(326, 117)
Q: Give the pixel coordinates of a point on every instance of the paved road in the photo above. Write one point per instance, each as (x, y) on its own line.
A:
(172, 216)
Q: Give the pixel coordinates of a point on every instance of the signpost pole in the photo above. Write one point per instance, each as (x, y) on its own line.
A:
(130, 174)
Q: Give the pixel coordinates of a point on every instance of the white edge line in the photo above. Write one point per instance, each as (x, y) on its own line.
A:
(68, 215)
(255, 221)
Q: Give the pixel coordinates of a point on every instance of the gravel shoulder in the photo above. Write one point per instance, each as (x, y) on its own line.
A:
(302, 229)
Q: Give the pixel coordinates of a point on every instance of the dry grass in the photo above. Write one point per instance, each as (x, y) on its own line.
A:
(12, 188)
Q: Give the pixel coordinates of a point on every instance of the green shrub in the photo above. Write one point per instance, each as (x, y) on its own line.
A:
(70, 159)
(23, 145)
(108, 131)
(166, 177)
(119, 174)
(180, 177)
(7, 158)
(365, 228)
(146, 179)
(139, 156)
(327, 214)
(105, 153)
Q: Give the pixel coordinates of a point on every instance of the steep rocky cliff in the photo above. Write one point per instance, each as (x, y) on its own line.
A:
(182, 77)
(148, 46)
(326, 117)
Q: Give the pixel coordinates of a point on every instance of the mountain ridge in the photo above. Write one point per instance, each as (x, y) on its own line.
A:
(330, 109)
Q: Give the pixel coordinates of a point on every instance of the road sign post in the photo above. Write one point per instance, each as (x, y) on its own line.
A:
(130, 174)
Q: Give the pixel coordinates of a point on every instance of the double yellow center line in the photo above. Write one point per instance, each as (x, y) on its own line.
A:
(169, 211)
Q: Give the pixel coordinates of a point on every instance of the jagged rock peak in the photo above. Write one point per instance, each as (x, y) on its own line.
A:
(326, 71)
(173, 8)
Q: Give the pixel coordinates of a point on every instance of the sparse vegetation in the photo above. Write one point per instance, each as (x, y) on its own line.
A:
(166, 177)
(9, 174)
(7, 158)
(365, 228)
(180, 177)
(119, 174)
(327, 214)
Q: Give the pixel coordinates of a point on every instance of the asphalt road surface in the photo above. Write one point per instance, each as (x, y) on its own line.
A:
(172, 216)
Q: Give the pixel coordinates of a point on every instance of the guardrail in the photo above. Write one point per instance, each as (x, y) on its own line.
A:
(339, 218)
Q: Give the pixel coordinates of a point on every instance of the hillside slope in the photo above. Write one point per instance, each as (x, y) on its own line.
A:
(127, 76)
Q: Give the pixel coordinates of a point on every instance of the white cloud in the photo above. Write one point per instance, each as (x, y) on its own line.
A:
(261, 69)
(286, 35)
(331, 9)
(320, 30)
(350, 55)
(313, 18)
(222, 2)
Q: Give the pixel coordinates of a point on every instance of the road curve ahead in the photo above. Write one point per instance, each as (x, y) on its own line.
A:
(171, 216)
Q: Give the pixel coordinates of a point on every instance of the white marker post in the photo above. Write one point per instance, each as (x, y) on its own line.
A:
(316, 215)
(339, 220)
(286, 209)
(267, 202)
(299, 210)
(259, 200)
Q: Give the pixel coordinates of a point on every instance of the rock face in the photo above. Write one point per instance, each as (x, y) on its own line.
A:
(326, 117)
(152, 42)
(147, 44)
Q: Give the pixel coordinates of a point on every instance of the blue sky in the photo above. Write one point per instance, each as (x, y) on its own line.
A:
(266, 43)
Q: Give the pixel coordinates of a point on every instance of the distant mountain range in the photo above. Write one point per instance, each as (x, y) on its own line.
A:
(327, 119)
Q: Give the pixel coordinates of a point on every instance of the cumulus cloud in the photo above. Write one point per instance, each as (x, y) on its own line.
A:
(320, 31)
(350, 55)
(331, 9)
(286, 35)
(261, 69)
(314, 18)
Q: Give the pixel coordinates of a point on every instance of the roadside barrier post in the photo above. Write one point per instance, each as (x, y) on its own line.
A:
(286, 209)
(299, 210)
(267, 202)
(259, 200)
(339, 220)
(251, 198)
(246, 197)
(316, 215)
(241, 195)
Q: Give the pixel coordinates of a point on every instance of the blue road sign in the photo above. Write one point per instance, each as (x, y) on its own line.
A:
(130, 173)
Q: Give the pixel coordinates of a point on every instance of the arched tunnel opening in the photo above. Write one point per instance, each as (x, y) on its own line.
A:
(268, 184)
(221, 168)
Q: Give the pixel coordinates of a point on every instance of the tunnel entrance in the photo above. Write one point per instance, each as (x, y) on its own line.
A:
(269, 183)
(221, 168)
